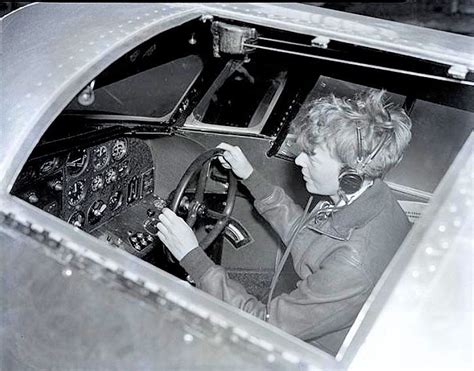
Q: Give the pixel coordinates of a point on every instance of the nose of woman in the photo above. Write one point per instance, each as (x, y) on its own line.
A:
(300, 160)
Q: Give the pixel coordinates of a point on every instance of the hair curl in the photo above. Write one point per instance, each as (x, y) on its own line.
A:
(333, 121)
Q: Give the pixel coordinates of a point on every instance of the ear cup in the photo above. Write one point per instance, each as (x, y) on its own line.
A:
(350, 181)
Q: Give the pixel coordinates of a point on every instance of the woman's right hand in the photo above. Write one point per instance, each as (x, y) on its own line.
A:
(233, 158)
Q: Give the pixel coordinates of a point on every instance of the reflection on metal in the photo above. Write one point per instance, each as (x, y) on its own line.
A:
(373, 66)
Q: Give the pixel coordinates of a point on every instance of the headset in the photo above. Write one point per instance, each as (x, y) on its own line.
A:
(351, 179)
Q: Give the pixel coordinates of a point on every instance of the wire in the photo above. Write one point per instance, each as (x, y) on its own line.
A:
(417, 74)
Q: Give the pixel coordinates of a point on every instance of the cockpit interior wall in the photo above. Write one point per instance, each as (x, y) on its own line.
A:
(438, 134)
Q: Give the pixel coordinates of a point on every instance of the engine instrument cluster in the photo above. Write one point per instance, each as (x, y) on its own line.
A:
(89, 186)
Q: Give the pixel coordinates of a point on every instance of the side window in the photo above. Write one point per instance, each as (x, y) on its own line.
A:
(241, 98)
(146, 93)
(325, 86)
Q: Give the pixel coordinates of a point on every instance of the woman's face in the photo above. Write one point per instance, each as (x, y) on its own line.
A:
(320, 171)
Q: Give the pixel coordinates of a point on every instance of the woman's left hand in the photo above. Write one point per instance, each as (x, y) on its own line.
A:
(178, 237)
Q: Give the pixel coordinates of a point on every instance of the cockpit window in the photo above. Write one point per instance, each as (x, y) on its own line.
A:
(146, 93)
(242, 95)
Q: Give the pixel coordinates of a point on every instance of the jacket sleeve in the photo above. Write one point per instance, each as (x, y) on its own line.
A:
(328, 300)
(280, 211)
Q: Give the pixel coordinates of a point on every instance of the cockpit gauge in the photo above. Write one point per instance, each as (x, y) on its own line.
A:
(97, 183)
(119, 149)
(77, 219)
(48, 166)
(76, 193)
(110, 175)
(100, 157)
(96, 211)
(77, 162)
(116, 200)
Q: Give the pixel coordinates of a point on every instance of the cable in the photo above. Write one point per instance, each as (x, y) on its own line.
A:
(418, 74)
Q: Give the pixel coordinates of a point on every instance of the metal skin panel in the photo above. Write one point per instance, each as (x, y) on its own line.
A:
(419, 315)
(56, 317)
(228, 322)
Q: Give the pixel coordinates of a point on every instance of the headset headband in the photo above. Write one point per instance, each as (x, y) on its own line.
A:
(369, 158)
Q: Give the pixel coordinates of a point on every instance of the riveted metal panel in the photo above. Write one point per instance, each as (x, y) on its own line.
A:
(76, 249)
(56, 317)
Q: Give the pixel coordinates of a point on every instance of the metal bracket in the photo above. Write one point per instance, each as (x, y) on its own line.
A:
(230, 39)
(320, 42)
(458, 71)
(87, 96)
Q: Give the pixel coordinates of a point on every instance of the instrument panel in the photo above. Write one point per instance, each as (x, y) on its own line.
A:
(89, 186)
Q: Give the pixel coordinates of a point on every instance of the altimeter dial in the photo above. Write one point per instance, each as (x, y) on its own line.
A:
(110, 175)
(100, 157)
(76, 193)
(97, 182)
(119, 149)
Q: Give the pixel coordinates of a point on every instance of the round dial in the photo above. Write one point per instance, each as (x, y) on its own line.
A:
(119, 149)
(116, 200)
(76, 193)
(100, 157)
(49, 166)
(77, 219)
(97, 182)
(110, 175)
(77, 162)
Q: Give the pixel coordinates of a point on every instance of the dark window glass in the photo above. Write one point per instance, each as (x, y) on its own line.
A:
(151, 93)
(241, 95)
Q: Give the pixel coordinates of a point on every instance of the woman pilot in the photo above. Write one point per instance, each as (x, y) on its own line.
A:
(340, 248)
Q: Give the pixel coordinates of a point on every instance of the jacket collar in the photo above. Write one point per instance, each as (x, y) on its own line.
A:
(369, 204)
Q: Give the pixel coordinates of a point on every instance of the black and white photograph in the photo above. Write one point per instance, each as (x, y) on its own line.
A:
(237, 186)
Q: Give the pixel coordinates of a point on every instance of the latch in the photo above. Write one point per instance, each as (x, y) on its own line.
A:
(320, 42)
(230, 39)
(458, 71)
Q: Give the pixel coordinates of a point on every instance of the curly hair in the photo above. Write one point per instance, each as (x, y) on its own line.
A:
(333, 121)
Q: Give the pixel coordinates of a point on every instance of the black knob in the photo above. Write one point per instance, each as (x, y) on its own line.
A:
(150, 212)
